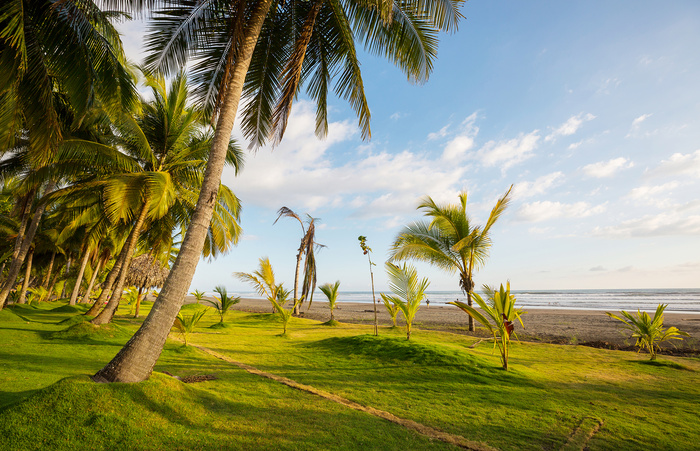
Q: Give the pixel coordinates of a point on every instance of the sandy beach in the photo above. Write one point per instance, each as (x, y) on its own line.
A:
(547, 325)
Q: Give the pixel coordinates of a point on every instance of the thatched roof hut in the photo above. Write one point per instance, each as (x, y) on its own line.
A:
(147, 273)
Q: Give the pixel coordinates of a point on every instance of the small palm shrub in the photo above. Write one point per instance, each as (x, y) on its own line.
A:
(392, 308)
(39, 294)
(649, 331)
(199, 295)
(223, 302)
(186, 324)
(497, 315)
(285, 314)
(403, 281)
(331, 292)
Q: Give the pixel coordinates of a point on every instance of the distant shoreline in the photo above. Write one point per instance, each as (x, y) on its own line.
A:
(556, 325)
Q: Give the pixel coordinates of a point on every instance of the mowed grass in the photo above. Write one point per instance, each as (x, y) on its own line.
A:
(436, 379)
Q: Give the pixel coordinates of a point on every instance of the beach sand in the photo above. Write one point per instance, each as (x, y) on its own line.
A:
(593, 327)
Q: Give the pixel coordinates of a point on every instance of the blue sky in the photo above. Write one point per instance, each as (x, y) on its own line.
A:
(590, 108)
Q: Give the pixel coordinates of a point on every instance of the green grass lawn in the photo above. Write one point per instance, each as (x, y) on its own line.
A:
(550, 394)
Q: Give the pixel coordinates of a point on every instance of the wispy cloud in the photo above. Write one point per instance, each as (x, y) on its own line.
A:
(679, 164)
(607, 168)
(569, 127)
(649, 194)
(507, 154)
(456, 148)
(663, 224)
(547, 210)
(637, 125)
(539, 186)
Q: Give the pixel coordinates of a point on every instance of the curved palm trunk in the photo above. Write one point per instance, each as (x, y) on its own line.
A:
(26, 243)
(91, 285)
(296, 278)
(27, 274)
(107, 286)
(136, 359)
(107, 313)
(138, 302)
(66, 270)
(79, 279)
(374, 299)
(47, 278)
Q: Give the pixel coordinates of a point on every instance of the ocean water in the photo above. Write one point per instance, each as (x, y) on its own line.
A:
(678, 300)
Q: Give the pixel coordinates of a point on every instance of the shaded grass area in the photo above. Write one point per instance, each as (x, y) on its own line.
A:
(546, 401)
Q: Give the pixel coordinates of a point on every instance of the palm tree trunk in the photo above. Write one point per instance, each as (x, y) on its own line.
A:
(91, 285)
(107, 285)
(26, 242)
(47, 278)
(138, 302)
(66, 270)
(374, 299)
(105, 316)
(135, 361)
(296, 279)
(27, 275)
(79, 278)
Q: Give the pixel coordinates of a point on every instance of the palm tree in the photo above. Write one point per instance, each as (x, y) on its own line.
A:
(262, 280)
(450, 241)
(366, 250)
(497, 314)
(257, 50)
(46, 44)
(306, 248)
(391, 307)
(410, 292)
(154, 177)
(331, 292)
(223, 303)
(649, 331)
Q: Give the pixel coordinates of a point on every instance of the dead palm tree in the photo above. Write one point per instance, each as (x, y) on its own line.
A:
(306, 249)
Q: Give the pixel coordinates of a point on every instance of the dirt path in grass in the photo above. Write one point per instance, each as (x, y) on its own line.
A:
(453, 439)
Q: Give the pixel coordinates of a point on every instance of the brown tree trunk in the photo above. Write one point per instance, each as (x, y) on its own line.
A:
(296, 280)
(107, 285)
(66, 270)
(91, 285)
(106, 315)
(47, 278)
(138, 302)
(79, 278)
(135, 361)
(27, 275)
(23, 249)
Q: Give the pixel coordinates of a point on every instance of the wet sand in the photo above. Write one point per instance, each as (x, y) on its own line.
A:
(549, 325)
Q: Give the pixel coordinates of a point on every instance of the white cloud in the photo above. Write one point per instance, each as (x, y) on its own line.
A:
(539, 186)
(663, 224)
(607, 168)
(637, 124)
(508, 153)
(569, 127)
(648, 194)
(679, 164)
(456, 149)
(396, 116)
(300, 173)
(607, 85)
(442, 133)
(547, 210)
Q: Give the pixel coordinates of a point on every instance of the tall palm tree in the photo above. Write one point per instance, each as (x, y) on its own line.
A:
(450, 241)
(306, 248)
(263, 51)
(45, 44)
